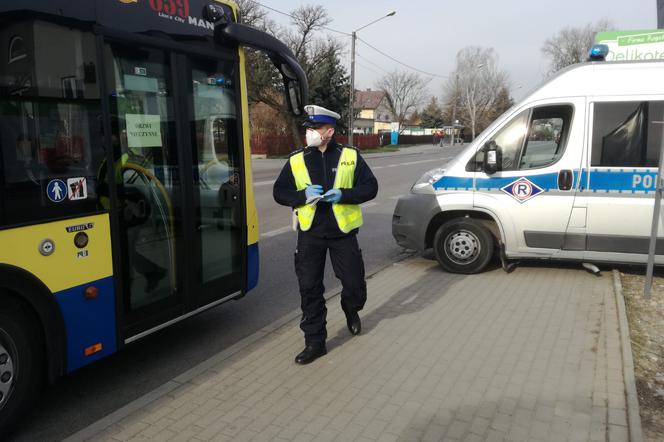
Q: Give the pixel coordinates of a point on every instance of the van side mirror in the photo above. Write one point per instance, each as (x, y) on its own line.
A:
(492, 156)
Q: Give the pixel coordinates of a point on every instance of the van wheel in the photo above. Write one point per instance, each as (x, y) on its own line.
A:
(21, 364)
(463, 245)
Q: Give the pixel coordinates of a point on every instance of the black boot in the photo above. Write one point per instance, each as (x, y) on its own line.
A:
(352, 321)
(310, 354)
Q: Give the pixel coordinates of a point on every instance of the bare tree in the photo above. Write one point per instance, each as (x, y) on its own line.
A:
(571, 45)
(474, 87)
(320, 59)
(406, 91)
(252, 14)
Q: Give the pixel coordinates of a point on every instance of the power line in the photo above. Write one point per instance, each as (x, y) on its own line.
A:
(372, 63)
(400, 62)
(368, 68)
(295, 18)
(363, 41)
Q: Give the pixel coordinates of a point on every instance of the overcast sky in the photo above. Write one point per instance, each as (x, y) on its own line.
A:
(427, 34)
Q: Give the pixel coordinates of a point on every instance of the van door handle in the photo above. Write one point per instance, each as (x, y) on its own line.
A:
(565, 179)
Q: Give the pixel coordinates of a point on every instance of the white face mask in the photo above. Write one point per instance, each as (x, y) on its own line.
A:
(315, 139)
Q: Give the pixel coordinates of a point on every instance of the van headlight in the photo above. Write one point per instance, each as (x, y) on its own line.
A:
(423, 185)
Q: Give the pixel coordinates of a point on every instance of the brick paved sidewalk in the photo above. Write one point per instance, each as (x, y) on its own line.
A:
(533, 355)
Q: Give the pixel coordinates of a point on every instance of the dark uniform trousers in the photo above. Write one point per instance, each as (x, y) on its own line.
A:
(348, 266)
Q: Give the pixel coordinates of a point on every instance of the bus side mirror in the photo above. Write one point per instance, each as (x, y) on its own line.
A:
(293, 85)
(491, 157)
(294, 77)
(294, 95)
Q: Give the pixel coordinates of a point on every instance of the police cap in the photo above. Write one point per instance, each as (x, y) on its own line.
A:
(318, 116)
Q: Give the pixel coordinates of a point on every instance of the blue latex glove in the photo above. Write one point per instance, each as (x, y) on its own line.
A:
(332, 196)
(313, 190)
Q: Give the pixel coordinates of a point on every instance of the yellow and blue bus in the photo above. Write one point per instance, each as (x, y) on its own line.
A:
(126, 200)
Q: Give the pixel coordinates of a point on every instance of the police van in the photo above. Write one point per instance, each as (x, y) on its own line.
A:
(569, 173)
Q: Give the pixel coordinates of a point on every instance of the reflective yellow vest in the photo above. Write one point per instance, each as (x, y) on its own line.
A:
(104, 199)
(348, 216)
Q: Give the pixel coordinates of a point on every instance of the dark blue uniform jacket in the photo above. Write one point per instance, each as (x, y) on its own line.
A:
(322, 169)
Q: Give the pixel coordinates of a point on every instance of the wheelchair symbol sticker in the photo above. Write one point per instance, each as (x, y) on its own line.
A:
(56, 191)
(522, 190)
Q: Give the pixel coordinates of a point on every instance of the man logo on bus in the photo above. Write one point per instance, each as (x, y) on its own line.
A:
(522, 190)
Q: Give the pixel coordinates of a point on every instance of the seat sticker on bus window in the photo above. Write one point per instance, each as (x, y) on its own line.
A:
(77, 189)
(56, 191)
(143, 130)
(522, 190)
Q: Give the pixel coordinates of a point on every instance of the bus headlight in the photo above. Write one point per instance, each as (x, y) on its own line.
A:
(423, 185)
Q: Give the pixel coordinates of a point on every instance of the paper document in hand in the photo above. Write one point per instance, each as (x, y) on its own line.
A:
(314, 199)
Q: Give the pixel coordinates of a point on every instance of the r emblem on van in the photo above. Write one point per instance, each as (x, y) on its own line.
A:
(522, 190)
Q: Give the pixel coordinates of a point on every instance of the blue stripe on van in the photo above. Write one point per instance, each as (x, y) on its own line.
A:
(601, 180)
(619, 180)
(548, 181)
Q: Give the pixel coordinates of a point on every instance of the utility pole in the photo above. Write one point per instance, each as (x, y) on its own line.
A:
(454, 104)
(351, 101)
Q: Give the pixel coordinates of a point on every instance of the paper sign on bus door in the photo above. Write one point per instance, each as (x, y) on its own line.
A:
(143, 130)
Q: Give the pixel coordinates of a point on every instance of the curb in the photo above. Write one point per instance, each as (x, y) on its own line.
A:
(100, 425)
(633, 415)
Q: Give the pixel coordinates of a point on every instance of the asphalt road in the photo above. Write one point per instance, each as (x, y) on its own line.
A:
(95, 391)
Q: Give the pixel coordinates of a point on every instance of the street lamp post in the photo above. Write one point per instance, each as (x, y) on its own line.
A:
(351, 100)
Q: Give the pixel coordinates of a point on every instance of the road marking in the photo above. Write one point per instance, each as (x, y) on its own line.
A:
(276, 232)
(410, 163)
(396, 197)
(264, 183)
(369, 204)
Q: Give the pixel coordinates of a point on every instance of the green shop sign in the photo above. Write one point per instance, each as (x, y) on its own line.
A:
(633, 45)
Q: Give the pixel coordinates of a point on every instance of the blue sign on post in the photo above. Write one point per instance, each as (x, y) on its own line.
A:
(56, 191)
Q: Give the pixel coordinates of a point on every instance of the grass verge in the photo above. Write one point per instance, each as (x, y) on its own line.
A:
(646, 326)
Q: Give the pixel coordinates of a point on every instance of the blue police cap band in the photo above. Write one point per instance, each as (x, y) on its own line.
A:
(322, 119)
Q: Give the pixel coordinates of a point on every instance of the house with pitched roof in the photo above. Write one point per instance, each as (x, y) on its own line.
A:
(373, 114)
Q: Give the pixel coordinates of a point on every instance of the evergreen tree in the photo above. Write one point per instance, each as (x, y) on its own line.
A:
(432, 114)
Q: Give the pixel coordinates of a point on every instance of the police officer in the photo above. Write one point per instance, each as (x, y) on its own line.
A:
(343, 179)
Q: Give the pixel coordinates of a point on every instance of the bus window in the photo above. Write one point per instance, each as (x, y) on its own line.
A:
(50, 123)
(220, 214)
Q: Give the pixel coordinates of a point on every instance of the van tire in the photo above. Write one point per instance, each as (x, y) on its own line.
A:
(21, 363)
(463, 245)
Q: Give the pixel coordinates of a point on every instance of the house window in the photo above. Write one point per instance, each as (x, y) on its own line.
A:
(17, 49)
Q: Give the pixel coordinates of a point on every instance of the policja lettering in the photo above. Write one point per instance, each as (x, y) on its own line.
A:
(338, 180)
